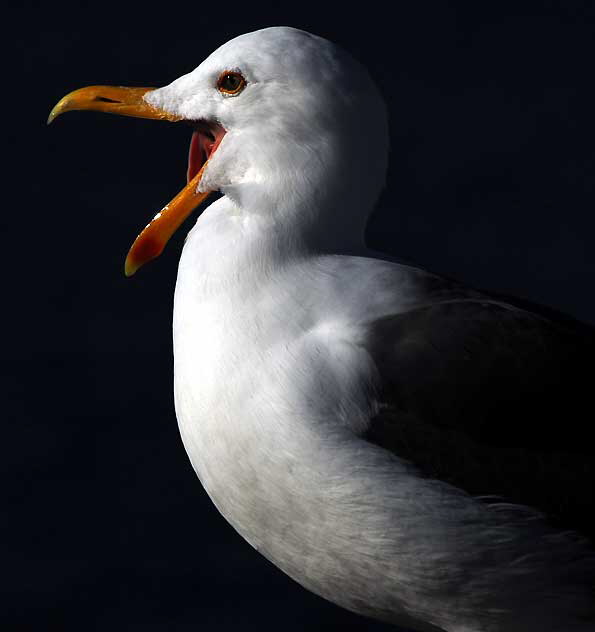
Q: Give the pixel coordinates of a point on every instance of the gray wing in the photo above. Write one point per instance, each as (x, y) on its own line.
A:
(493, 398)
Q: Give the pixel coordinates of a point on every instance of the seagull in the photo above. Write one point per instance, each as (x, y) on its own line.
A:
(407, 447)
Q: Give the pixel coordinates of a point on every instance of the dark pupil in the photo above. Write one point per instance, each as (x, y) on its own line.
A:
(231, 82)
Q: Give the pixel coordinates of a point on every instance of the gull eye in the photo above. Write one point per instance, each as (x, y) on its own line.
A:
(231, 82)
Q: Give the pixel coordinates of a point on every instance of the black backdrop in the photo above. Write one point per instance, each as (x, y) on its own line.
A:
(491, 181)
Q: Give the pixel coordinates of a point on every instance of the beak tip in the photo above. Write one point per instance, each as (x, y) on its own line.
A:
(53, 114)
(58, 109)
(130, 268)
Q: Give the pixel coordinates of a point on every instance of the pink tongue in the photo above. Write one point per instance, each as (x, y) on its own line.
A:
(196, 156)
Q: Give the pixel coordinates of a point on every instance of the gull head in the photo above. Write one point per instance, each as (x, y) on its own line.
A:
(285, 123)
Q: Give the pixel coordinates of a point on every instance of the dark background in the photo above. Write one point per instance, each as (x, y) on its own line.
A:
(491, 182)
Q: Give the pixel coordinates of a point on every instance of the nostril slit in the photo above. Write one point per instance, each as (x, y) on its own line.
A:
(106, 100)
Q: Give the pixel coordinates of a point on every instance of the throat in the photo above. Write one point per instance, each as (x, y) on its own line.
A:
(231, 250)
(251, 234)
(301, 220)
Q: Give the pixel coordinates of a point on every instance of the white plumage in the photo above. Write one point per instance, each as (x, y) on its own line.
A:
(279, 372)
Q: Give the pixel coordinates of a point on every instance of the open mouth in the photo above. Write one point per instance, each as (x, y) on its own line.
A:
(206, 138)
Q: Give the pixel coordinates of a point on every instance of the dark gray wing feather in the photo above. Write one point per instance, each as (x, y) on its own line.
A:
(494, 399)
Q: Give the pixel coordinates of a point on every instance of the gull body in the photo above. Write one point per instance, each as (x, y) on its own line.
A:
(303, 361)
(275, 383)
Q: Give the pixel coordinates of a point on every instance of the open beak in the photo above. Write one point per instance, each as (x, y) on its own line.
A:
(130, 102)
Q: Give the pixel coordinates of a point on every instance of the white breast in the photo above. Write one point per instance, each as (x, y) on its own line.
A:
(270, 382)
(262, 404)
(253, 364)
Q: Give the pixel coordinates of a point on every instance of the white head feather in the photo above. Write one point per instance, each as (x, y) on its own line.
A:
(309, 127)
